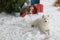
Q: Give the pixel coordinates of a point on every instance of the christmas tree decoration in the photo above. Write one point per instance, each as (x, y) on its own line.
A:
(31, 9)
(17, 14)
(11, 5)
(24, 9)
(25, 5)
(24, 13)
(20, 7)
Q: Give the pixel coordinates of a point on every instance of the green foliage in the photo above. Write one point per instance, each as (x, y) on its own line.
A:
(11, 5)
(24, 9)
(6, 5)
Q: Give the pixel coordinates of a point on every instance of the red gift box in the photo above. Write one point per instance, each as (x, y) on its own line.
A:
(33, 9)
(39, 7)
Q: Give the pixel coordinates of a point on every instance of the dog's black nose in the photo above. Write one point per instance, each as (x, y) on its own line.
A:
(45, 21)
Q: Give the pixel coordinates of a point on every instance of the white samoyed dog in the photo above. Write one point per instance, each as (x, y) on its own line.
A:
(43, 24)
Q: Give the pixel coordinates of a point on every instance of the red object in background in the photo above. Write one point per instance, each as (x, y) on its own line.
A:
(33, 9)
(39, 8)
(36, 8)
(24, 13)
(30, 6)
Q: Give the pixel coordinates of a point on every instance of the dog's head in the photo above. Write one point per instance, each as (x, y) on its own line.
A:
(45, 18)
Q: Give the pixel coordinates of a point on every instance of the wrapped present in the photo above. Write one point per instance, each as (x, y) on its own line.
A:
(39, 8)
(35, 5)
(33, 9)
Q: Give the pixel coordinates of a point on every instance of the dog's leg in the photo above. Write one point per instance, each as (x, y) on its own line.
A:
(47, 33)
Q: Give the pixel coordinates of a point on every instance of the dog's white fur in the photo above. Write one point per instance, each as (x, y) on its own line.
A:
(43, 24)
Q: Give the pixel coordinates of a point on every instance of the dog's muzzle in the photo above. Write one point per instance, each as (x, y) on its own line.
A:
(46, 21)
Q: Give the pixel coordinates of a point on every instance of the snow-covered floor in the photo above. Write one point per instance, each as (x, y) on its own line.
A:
(18, 28)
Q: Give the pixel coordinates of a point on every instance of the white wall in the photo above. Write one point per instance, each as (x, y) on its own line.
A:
(47, 4)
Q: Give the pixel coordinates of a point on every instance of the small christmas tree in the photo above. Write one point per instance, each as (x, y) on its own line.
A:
(11, 5)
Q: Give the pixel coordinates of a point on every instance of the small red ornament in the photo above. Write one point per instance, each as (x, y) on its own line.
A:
(24, 13)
